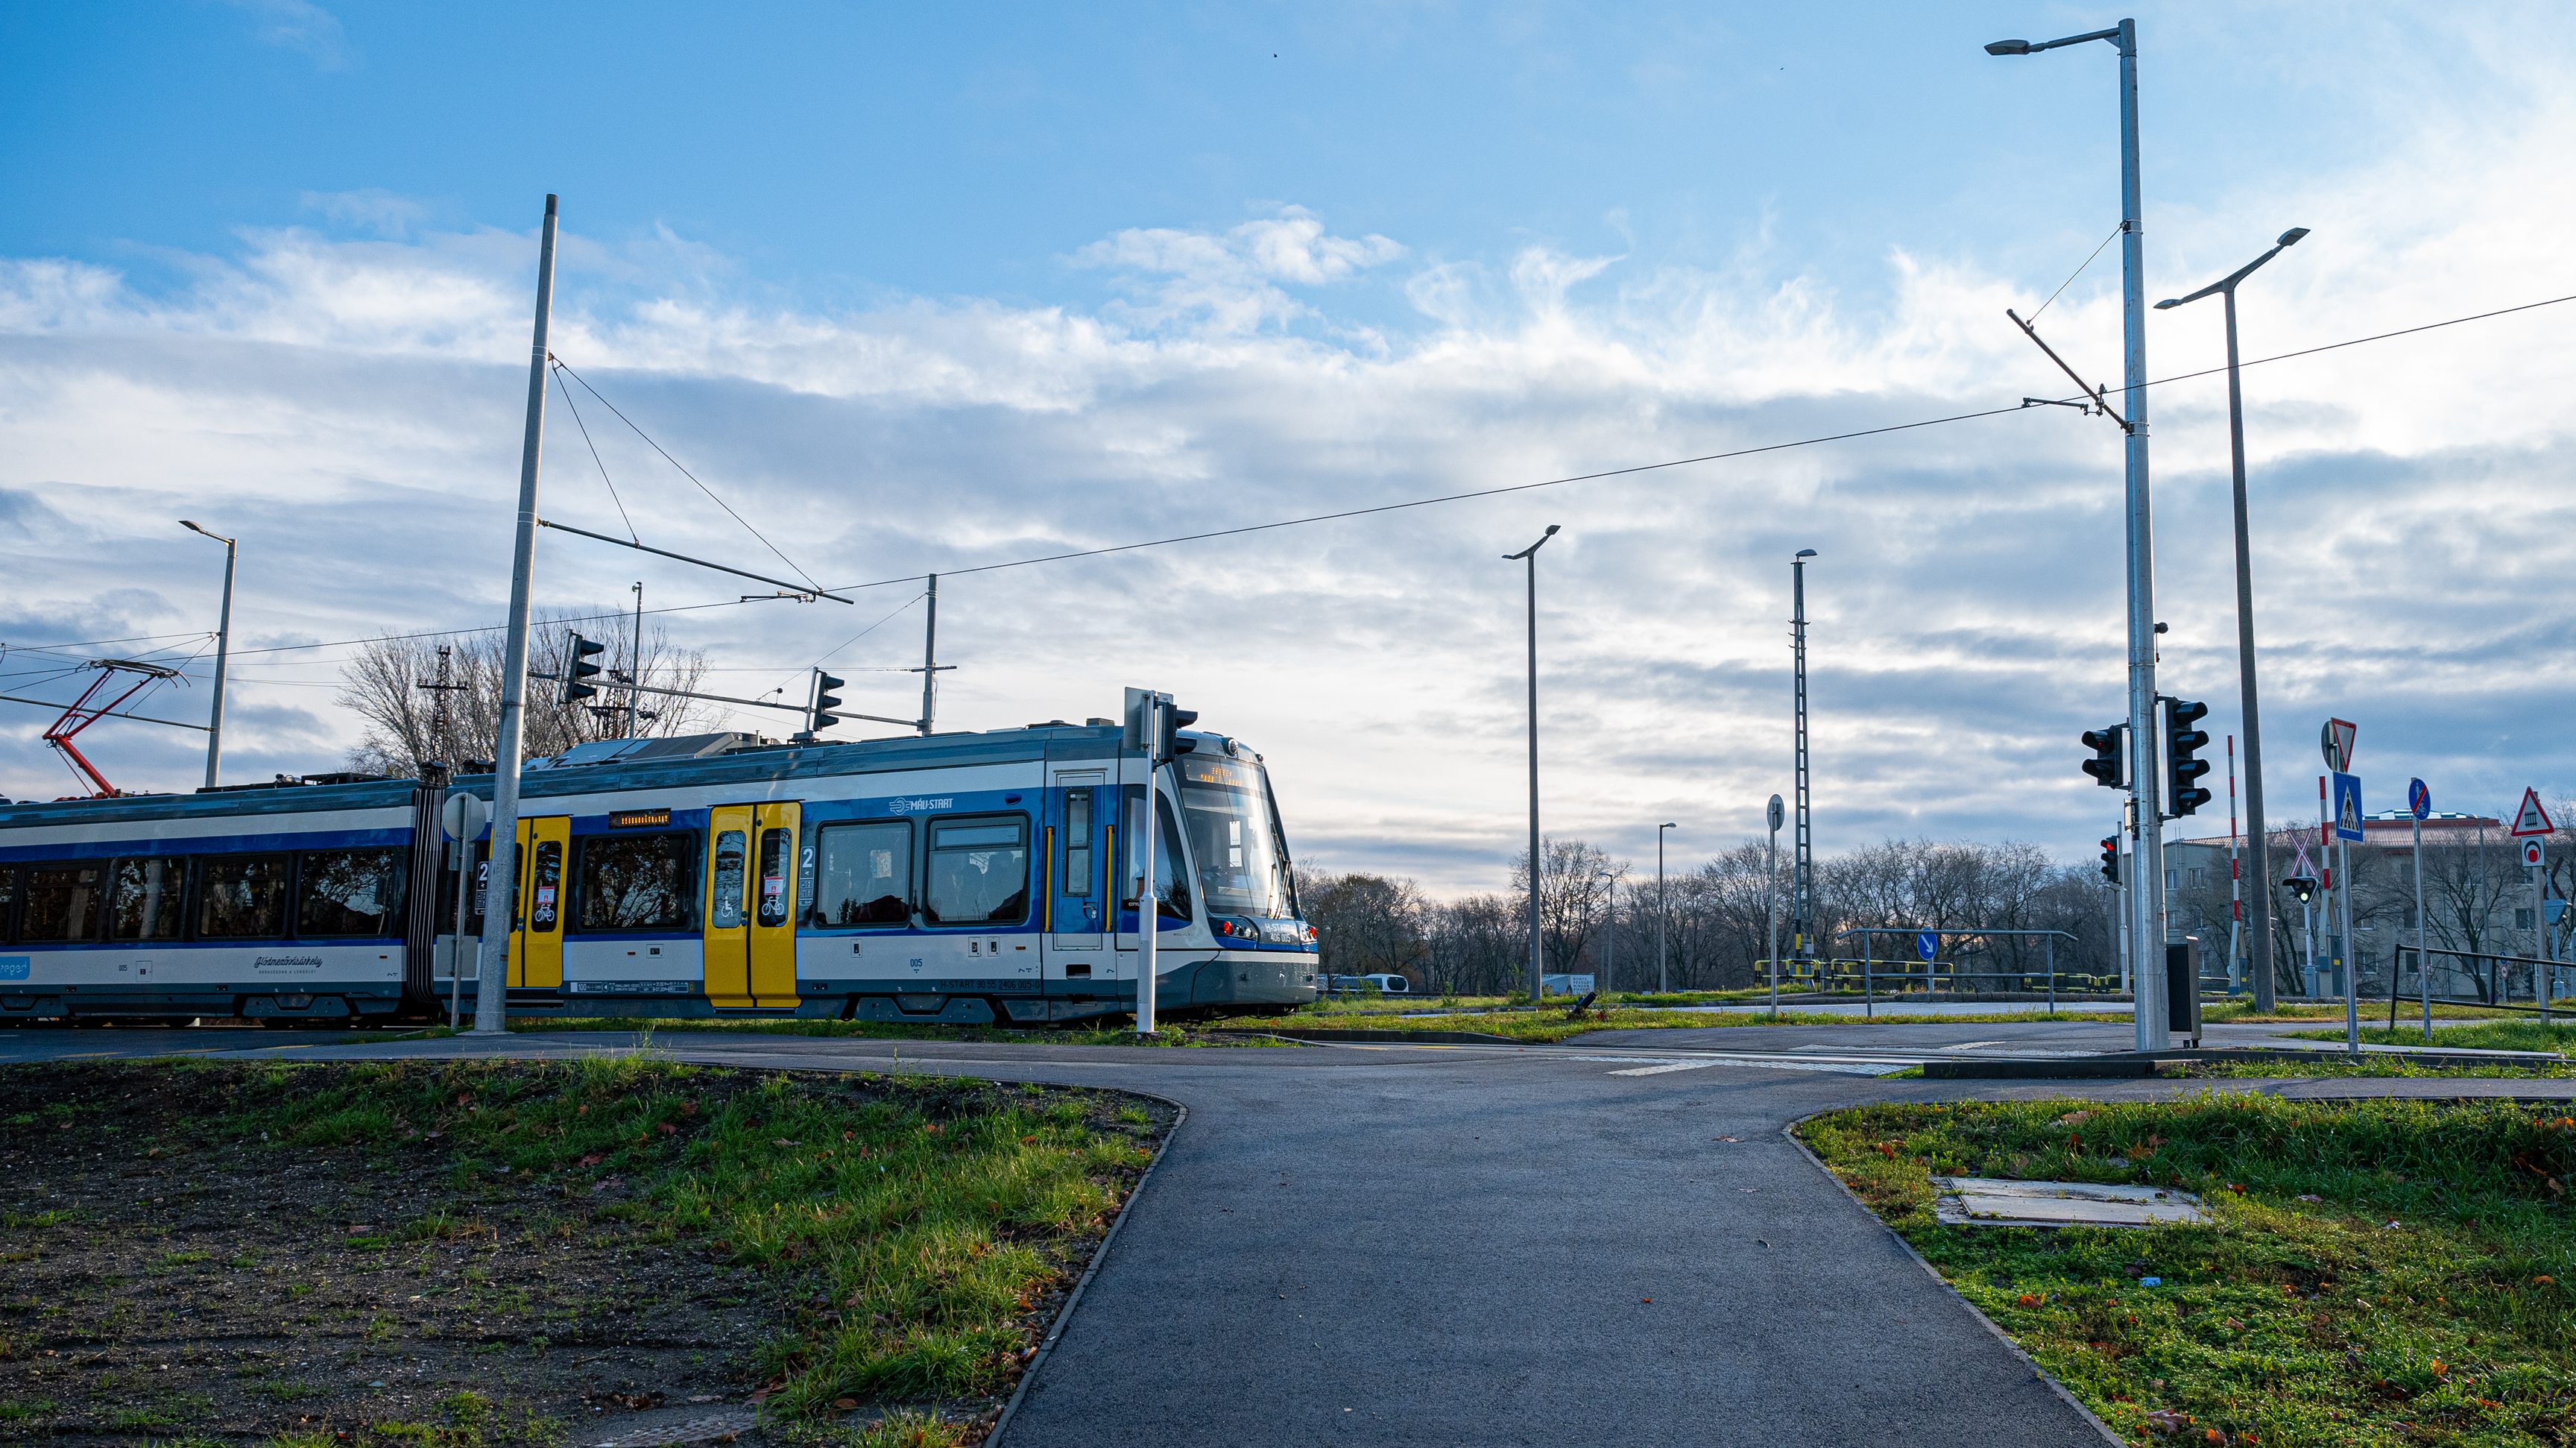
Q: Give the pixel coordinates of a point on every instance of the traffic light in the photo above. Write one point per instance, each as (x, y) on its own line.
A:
(579, 670)
(2111, 858)
(2183, 793)
(2303, 886)
(820, 716)
(2104, 766)
(1164, 742)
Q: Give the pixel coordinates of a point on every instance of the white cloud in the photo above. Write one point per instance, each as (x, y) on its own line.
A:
(352, 407)
(301, 25)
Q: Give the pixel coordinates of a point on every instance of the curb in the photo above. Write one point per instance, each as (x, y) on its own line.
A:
(1790, 1134)
(1100, 1254)
(2144, 1063)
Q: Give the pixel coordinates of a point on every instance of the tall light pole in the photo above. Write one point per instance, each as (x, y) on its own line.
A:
(223, 651)
(1538, 965)
(1802, 841)
(1663, 912)
(492, 986)
(2259, 922)
(2147, 893)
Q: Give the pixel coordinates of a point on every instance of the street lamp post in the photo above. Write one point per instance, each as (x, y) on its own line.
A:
(2259, 924)
(1663, 912)
(2147, 896)
(223, 651)
(1536, 871)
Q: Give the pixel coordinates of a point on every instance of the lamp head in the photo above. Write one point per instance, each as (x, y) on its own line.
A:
(1668, 825)
(1806, 553)
(1551, 531)
(2291, 236)
(191, 525)
(2168, 302)
(2007, 47)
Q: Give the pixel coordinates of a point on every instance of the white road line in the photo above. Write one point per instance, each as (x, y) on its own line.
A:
(1667, 1066)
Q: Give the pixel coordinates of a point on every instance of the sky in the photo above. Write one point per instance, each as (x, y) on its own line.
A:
(917, 290)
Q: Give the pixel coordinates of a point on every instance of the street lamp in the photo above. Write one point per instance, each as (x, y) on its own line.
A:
(1537, 964)
(223, 648)
(1663, 912)
(2147, 902)
(2260, 923)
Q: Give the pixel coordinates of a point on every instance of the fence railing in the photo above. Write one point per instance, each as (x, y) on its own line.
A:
(1872, 979)
(2483, 978)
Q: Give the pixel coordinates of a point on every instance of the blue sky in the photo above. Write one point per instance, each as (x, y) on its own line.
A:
(930, 289)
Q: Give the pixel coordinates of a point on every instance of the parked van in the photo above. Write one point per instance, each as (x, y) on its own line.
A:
(1389, 984)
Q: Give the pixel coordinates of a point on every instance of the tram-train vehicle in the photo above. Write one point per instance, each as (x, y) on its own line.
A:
(964, 878)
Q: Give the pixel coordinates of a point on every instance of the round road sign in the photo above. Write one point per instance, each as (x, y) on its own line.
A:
(2419, 800)
(461, 816)
(1926, 944)
(2531, 854)
(1776, 812)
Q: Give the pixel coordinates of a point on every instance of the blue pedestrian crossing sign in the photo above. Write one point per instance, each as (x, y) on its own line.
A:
(1927, 944)
(2419, 800)
(2347, 806)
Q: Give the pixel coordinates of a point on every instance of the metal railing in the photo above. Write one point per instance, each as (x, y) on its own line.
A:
(2493, 975)
(1873, 979)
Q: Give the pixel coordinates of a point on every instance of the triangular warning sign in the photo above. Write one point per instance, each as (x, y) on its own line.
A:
(2531, 819)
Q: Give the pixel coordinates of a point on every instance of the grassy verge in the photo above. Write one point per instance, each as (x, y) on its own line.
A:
(889, 1247)
(2240, 1011)
(2492, 1035)
(2378, 1273)
(2368, 1066)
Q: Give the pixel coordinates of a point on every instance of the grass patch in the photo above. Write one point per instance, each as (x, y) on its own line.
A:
(2491, 1035)
(887, 1245)
(2379, 1273)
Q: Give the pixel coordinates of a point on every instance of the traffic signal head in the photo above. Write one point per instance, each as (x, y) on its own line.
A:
(1154, 724)
(820, 717)
(578, 668)
(2183, 767)
(2111, 858)
(2303, 886)
(2104, 766)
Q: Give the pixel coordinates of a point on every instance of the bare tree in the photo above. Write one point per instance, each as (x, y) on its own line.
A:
(1573, 889)
(391, 683)
(1366, 924)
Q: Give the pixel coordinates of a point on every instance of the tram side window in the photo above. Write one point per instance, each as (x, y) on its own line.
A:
(350, 892)
(8, 902)
(777, 849)
(979, 872)
(148, 900)
(242, 897)
(1077, 842)
(638, 882)
(62, 903)
(863, 875)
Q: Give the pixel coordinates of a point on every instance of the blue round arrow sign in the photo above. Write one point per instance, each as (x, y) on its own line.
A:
(2419, 800)
(1927, 944)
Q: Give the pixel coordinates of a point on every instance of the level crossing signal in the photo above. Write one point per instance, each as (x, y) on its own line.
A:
(578, 668)
(2104, 766)
(2111, 858)
(819, 715)
(2183, 793)
(2303, 886)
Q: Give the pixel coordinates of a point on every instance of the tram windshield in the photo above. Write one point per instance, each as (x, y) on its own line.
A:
(1242, 869)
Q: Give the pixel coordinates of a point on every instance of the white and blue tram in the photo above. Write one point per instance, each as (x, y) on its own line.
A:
(962, 878)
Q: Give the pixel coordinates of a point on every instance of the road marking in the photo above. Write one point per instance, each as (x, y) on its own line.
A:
(1667, 1066)
(1847, 1066)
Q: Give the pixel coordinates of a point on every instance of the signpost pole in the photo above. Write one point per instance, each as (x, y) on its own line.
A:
(2419, 802)
(2539, 926)
(1149, 908)
(2351, 977)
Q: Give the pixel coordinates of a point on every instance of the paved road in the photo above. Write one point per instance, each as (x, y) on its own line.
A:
(1402, 1245)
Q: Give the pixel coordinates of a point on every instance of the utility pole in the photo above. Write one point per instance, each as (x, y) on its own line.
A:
(930, 662)
(492, 988)
(2147, 894)
(635, 665)
(1802, 839)
(1771, 898)
(438, 711)
(223, 651)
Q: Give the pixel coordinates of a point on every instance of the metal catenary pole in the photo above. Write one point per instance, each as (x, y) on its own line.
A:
(1771, 901)
(1802, 924)
(223, 652)
(930, 661)
(491, 990)
(2147, 896)
(635, 665)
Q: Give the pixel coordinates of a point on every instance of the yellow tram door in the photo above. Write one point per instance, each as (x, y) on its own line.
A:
(728, 907)
(772, 964)
(536, 925)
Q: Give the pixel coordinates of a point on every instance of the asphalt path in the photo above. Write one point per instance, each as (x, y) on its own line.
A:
(1611, 1241)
